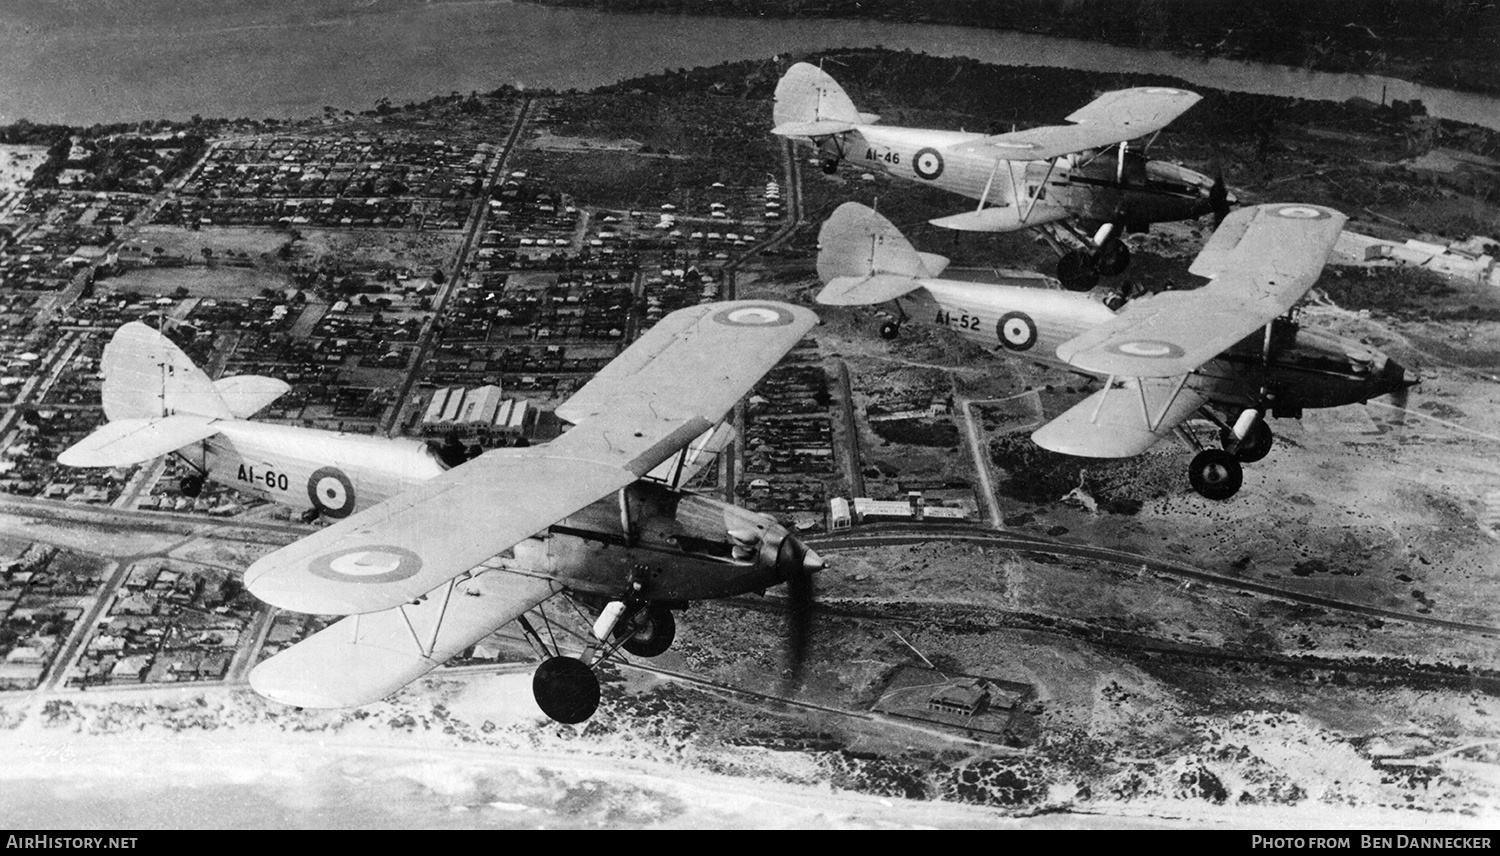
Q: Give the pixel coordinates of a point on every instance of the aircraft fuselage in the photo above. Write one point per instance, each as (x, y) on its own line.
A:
(1307, 369)
(1092, 189)
(674, 544)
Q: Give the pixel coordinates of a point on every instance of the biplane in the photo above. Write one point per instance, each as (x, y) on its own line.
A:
(426, 558)
(1079, 184)
(1229, 351)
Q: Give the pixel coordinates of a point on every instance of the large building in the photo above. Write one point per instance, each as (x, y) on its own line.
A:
(477, 411)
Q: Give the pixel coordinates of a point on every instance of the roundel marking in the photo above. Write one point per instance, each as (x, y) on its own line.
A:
(1301, 212)
(375, 563)
(331, 492)
(1151, 348)
(1162, 90)
(753, 316)
(1016, 331)
(927, 163)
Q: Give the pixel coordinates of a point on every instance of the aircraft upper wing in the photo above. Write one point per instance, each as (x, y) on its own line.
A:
(362, 659)
(1263, 259)
(666, 389)
(1122, 421)
(1111, 118)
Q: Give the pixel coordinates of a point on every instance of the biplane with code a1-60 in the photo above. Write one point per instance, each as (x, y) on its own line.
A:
(1228, 351)
(1080, 184)
(427, 556)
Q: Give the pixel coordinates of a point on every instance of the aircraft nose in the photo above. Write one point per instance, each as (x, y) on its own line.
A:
(1397, 377)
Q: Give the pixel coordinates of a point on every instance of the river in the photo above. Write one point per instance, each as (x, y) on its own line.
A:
(175, 59)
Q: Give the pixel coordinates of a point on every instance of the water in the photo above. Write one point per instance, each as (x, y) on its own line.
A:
(176, 58)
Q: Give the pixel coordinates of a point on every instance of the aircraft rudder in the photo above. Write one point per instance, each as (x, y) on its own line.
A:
(806, 94)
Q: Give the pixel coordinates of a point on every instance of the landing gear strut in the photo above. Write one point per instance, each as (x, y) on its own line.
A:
(1256, 443)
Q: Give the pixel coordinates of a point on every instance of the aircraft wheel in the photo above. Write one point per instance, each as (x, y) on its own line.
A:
(566, 689)
(890, 329)
(1076, 271)
(1256, 445)
(1112, 258)
(1215, 474)
(654, 629)
(191, 485)
(830, 167)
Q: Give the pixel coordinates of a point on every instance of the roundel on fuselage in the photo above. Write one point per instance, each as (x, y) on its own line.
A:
(1016, 331)
(331, 492)
(927, 163)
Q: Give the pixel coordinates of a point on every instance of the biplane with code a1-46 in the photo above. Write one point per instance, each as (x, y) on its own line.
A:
(1080, 184)
(427, 555)
(1228, 351)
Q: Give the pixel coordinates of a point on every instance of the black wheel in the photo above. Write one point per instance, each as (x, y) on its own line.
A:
(1112, 258)
(651, 631)
(191, 485)
(1215, 474)
(1255, 445)
(1076, 270)
(889, 329)
(566, 689)
(830, 166)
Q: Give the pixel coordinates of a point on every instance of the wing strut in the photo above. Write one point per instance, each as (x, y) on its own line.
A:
(426, 647)
(1152, 422)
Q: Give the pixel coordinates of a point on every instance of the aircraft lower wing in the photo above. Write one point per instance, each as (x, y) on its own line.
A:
(364, 658)
(1270, 256)
(665, 390)
(1122, 420)
(124, 442)
(1113, 117)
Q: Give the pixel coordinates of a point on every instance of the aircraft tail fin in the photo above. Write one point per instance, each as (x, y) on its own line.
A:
(809, 103)
(864, 259)
(146, 376)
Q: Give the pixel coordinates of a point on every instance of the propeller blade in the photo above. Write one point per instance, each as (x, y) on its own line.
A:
(797, 564)
(1218, 198)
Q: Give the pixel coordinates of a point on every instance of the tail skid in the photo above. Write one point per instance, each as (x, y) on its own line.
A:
(157, 401)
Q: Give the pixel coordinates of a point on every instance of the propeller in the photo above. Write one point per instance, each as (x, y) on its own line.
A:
(1218, 198)
(796, 564)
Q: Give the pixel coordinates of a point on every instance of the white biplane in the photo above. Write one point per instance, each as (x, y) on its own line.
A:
(1083, 177)
(1228, 351)
(427, 559)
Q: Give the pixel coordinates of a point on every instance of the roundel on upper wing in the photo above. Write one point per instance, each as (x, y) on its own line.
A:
(763, 315)
(331, 492)
(927, 163)
(1301, 212)
(373, 563)
(1149, 348)
(1016, 331)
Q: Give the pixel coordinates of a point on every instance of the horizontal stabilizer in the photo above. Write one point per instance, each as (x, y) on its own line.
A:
(1007, 218)
(823, 128)
(244, 395)
(1120, 422)
(124, 442)
(363, 659)
(867, 291)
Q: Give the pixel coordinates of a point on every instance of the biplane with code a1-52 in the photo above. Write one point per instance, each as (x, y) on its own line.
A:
(1228, 351)
(1081, 184)
(426, 555)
